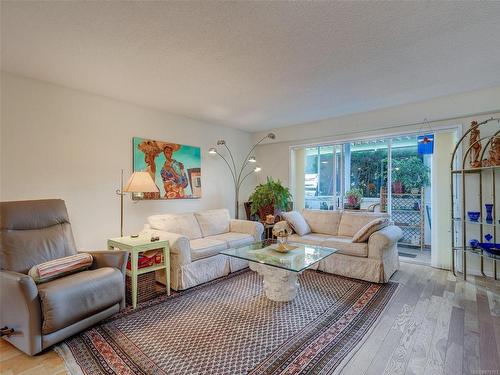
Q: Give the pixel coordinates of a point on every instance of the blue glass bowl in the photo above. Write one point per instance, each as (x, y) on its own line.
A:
(473, 215)
(493, 248)
(474, 244)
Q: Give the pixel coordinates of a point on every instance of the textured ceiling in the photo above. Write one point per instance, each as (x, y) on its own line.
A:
(256, 65)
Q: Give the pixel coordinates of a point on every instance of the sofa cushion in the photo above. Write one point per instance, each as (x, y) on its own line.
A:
(234, 239)
(185, 224)
(60, 267)
(351, 222)
(309, 239)
(297, 222)
(206, 247)
(368, 229)
(75, 297)
(345, 246)
(322, 221)
(213, 222)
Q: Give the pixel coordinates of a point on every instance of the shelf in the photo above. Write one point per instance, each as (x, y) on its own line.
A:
(457, 220)
(140, 271)
(474, 170)
(408, 210)
(479, 252)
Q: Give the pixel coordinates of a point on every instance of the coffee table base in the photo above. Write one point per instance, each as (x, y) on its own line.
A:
(279, 285)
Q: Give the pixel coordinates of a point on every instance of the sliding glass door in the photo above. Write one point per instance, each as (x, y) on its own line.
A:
(388, 174)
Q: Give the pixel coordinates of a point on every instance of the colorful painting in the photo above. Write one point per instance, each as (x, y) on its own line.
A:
(175, 168)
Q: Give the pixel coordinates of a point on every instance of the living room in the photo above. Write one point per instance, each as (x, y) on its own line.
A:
(139, 132)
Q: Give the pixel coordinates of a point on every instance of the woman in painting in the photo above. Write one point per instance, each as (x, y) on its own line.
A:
(151, 151)
(172, 173)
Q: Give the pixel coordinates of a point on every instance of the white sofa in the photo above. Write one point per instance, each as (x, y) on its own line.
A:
(375, 260)
(195, 241)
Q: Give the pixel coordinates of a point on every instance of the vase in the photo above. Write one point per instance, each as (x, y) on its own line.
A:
(489, 213)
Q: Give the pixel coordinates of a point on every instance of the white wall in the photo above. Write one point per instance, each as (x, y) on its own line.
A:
(62, 143)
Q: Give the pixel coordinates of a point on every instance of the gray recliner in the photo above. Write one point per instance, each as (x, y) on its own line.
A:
(33, 232)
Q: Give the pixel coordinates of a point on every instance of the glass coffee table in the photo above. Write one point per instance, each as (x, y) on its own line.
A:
(280, 270)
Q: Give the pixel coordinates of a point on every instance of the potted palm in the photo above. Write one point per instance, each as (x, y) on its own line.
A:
(269, 198)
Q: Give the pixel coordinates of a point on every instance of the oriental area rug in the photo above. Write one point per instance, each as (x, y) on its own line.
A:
(228, 326)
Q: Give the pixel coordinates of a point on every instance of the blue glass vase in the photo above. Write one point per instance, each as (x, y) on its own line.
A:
(489, 213)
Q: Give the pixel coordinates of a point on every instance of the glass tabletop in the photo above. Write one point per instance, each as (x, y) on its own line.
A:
(298, 259)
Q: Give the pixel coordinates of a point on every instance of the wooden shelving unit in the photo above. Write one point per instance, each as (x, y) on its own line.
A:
(407, 212)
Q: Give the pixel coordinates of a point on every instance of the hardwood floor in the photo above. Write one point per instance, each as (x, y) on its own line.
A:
(436, 324)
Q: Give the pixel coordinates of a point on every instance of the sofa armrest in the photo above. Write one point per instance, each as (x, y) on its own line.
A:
(383, 240)
(253, 228)
(109, 258)
(20, 310)
(179, 244)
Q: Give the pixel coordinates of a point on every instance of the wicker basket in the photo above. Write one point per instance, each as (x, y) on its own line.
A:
(146, 287)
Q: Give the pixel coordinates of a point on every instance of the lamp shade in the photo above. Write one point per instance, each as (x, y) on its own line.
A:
(141, 182)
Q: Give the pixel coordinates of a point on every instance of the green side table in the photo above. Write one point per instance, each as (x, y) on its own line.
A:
(137, 245)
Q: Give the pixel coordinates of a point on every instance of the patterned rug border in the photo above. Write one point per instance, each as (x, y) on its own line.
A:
(74, 368)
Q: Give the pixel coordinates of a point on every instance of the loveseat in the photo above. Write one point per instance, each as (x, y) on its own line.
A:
(374, 259)
(195, 241)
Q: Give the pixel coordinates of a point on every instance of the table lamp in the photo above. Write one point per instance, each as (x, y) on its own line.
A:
(139, 182)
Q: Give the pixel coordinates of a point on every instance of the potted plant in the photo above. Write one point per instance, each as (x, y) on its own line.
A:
(269, 198)
(412, 173)
(354, 197)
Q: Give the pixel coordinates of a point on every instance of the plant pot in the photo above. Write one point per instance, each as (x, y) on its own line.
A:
(349, 207)
(397, 187)
(266, 210)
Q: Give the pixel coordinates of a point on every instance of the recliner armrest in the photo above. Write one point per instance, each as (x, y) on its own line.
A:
(20, 310)
(109, 258)
(383, 240)
(179, 244)
(253, 228)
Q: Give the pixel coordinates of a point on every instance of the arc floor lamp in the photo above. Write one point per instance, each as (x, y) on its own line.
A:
(239, 174)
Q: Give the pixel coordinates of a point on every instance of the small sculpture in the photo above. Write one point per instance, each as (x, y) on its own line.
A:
(475, 145)
(494, 152)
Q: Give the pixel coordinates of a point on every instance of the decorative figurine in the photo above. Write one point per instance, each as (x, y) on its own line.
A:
(494, 152)
(475, 145)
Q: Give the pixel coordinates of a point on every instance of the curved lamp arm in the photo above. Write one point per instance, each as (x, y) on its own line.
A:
(229, 166)
(245, 163)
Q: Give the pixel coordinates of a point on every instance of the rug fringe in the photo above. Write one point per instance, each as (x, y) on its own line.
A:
(69, 360)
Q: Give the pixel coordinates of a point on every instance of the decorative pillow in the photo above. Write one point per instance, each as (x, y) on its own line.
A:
(60, 267)
(368, 229)
(297, 222)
